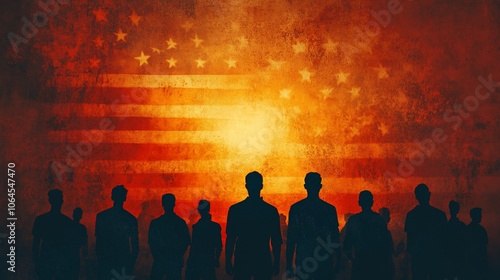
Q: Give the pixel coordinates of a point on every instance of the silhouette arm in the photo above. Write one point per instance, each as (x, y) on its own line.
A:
(36, 242)
(134, 241)
(86, 245)
(348, 243)
(336, 239)
(152, 240)
(218, 247)
(187, 238)
(276, 241)
(290, 241)
(230, 240)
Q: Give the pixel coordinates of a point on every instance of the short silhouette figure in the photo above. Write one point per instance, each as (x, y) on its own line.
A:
(206, 246)
(454, 242)
(424, 228)
(168, 239)
(477, 242)
(365, 242)
(117, 242)
(251, 225)
(313, 223)
(389, 274)
(52, 236)
(79, 244)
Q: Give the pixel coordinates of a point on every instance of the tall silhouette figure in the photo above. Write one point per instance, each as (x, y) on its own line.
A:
(454, 242)
(251, 225)
(424, 228)
(52, 237)
(79, 244)
(365, 242)
(117, 242)
(389, 273)
(477, 256)
(168, 239)
(313, 222)
(206, 246)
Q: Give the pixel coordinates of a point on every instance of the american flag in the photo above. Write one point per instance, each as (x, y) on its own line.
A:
(196, 94)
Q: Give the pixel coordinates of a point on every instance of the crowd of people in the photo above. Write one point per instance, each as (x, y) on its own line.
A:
(315, 248)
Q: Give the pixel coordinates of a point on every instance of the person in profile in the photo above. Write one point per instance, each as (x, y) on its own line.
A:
(389, 273)
(52, 235)
(117, 242)
(206, 246)
(79, 244)
(477, 243)
(365, 242)
(251, 225)
(454, 240)
(168, 239)
(424, 227)
(311, 220)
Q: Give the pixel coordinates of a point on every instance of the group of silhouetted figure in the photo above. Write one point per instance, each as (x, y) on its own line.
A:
(439, 248)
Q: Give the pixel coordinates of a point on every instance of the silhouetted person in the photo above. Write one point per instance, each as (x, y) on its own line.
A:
(52, 235)
(168, 239)
(312, 222)
(251, 225)
(79, 244)
(454, 242)
(424, 228)
(117, 242)
(206, 246)
(477, 242)
(386, 215)
(366, 237)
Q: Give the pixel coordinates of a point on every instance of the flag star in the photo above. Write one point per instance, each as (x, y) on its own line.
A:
(319, 131)
(354, 131)
(235, 26)
(100, 15)
(187, 26)
(155, 50)
(143, 59)
(72, 52)
(171, 62)
(94, 62)
(384, 129)
(285, 93)
(354, 92)
(171, 44)
(342, 78)
(299, 48)
(120, 36)
(197, 41)
(98, 42)
(275, 64)
(306, 75)
(134, 18)
(326, 92)
(200, 63)
(381, 71)
(231, 63)
(243, 42)
(330, 46)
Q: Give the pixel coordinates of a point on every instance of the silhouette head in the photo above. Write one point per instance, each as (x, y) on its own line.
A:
(204, 207)
(476, 214)
(423, 194)
(253, 183)
(385, 213)
(119, 194)
(454, 208)
(77, 214)
(365, 200)
(55, 198)
(168, 202)
(312, 182)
